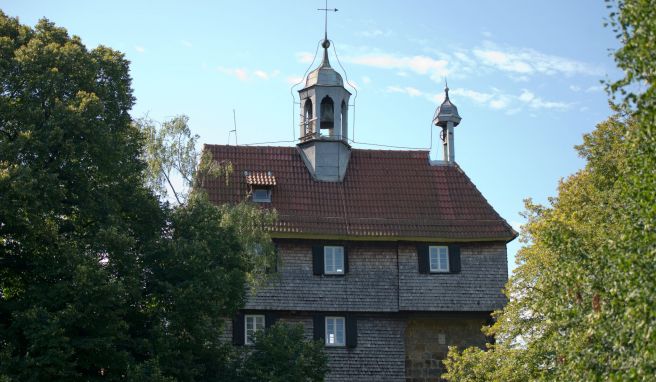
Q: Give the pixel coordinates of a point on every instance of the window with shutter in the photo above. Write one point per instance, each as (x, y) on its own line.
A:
(438, 258)
(335, 331)
(333, 257)
(253, 323)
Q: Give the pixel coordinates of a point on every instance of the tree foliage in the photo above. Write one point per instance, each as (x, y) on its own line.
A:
(583, 297)
(99, 279)
(280, 354)
(174, 162)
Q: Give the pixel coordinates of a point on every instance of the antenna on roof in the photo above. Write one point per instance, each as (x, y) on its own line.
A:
(234, 120)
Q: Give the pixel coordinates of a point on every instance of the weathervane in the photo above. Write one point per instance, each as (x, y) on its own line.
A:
(326, 21)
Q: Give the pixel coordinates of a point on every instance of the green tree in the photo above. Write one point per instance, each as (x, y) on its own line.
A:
(72, 208)
(582, 300)
(281, 354)
(174, 162)
(98, 278)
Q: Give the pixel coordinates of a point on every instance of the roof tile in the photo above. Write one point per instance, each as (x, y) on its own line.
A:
(385, 193)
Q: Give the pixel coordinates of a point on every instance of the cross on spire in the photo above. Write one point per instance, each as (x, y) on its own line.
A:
(326, 9)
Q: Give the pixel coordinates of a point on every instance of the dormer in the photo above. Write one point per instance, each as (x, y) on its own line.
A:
(260, 186)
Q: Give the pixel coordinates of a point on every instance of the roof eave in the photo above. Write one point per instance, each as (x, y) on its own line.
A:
(422, 239)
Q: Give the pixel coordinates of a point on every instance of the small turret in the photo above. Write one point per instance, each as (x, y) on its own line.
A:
(447, 117)
(324, 120)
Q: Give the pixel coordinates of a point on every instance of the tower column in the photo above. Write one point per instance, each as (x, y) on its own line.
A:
(450, 144)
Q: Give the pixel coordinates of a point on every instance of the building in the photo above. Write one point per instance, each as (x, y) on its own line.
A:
(386, 256)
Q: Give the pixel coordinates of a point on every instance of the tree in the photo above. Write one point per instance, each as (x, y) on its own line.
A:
(281, 354)
(99, 279)
(582, 298)
(174, 163)
(73, 210)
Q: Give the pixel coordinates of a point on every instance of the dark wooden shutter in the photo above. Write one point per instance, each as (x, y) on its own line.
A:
(319, 327)
(346, 260)
(351, 331)
(270, 319)
(317, 259)
(422, 258)
(273, 268)
(238, 329)
(454, 258)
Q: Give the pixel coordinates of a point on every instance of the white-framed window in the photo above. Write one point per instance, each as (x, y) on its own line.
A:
(261, 195)
(438, 258)
(252, 324)
(335, 331)
(333, 260)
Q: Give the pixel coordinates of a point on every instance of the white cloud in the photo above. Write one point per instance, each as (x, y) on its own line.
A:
(408, 90)
(418, 64)
(139, 49)
(366, 80)
(475, 96)
(186, 43)
(529, 61)
(261, 74)
(305, 57)
(526, 96)
(240, 73)
(464, 57)
(594, 89)
(244, 74)
(374, 33)
(538, 103)
(293, 80)
(499, 103)
(574, 88)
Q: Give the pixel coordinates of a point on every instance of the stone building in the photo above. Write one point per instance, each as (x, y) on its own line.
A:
(386, 256)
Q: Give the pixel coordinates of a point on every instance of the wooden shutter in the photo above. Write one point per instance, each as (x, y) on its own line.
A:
(346, 260)
(454, 258)
(351, 331)
(422, 258)
(319, 327)
(317, 259)
(270, 319)
(238, 329)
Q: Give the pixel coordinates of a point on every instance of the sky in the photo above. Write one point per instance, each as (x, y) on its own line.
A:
(525, 75)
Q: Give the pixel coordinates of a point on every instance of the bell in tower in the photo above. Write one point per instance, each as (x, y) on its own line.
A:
(324, 122)
(324, 103)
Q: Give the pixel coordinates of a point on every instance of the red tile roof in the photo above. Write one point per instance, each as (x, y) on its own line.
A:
(385, 195)
(261, 178)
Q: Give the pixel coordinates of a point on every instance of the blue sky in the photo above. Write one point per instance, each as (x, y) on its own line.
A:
(525, 75)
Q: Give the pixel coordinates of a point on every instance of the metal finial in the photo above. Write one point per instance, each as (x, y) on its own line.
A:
(325, 31)
(446, 88)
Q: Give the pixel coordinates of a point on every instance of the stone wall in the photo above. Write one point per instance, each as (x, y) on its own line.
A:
(427, 342)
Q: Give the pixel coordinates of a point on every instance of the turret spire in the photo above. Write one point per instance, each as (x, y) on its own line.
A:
(326, 43)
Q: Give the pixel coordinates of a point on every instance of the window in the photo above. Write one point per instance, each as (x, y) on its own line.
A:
(333, 258)
(253, 324)
(439, 258)
(335, 331)
(261, 195)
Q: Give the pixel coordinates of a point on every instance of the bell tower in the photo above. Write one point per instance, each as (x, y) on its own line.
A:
(447, 117)
(324, 121)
